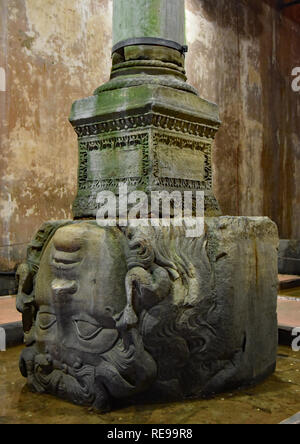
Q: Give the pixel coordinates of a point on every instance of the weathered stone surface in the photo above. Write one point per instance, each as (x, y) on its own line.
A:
(289, 256)
(54, 52)
(163, 19)
(146, 127)
(116, 314)
(289, 248)
(44, 49)
(151, 137)
(247, 278)
(112, 313)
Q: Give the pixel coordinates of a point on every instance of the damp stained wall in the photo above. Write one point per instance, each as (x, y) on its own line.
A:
(242, 54)
(53, 52)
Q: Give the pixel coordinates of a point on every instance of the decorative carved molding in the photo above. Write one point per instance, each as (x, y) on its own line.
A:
(184, 143)
(139, 140)
(150, 119)
(150, 177)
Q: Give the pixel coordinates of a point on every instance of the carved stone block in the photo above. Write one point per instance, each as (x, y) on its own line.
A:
(115, 314)
(160, 138)
(289, 256)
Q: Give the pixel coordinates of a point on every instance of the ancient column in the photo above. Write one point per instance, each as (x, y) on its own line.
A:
(146, 22)
(147, 312)
(146, 127)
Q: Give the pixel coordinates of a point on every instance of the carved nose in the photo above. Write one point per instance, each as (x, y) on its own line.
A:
(67, 240)
(67, 249)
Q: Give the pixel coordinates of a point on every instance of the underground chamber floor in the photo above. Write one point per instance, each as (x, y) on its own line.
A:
(292, 292)
(271, 402)
(8, 312)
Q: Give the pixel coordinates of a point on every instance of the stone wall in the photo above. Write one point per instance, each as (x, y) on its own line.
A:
(53, 52)
(242, 54)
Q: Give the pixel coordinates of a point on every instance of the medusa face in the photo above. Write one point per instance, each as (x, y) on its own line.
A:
(80, 297)
(79, 291)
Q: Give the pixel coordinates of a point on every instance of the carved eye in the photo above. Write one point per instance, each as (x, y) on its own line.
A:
(86, 330)
(46, 320)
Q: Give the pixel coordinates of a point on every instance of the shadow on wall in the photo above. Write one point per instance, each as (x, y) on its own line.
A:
(222, 14)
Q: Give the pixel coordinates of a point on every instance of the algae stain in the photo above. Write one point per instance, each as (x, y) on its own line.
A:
(26, 40)
(256, 263)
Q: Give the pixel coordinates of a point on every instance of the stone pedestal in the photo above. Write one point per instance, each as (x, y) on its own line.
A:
(146, 127)
(148, 312)
(289, 256)
(152, 137)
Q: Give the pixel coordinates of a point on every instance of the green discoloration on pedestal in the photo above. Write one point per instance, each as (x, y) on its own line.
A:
(146, 127)
(151, 137)
(125, 101)
(149, 18)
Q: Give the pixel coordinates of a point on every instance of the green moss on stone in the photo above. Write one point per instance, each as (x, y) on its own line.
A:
(149, 18)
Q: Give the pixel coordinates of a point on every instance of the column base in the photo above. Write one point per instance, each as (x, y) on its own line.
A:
(119, 313)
